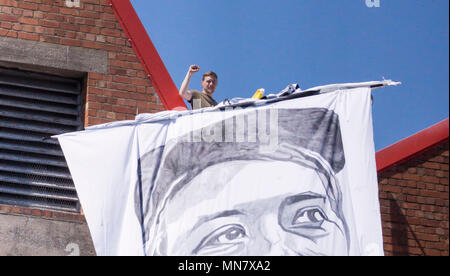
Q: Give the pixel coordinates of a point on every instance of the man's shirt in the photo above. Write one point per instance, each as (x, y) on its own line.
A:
(201, 100)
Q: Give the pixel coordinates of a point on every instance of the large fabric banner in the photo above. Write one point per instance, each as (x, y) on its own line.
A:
(290, 176)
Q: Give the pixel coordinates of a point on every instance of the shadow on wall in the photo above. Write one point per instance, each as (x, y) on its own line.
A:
(399, 230)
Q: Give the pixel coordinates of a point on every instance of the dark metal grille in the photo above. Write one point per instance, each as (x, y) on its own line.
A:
(33, 171)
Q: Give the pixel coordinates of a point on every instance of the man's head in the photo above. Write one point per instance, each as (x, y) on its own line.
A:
(209, 82)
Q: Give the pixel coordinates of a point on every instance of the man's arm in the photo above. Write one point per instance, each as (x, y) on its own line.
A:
(184, 92)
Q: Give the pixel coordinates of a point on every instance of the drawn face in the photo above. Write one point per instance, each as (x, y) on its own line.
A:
(209, 84)
(253, 208)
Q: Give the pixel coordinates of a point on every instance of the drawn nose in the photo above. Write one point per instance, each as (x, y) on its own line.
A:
(272, 235)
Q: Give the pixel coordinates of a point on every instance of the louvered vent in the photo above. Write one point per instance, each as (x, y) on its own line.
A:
(33, 171)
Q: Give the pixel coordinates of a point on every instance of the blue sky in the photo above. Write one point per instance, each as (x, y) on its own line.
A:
(269, 44)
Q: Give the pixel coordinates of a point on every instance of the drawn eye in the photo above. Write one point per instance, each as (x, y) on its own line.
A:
(223, 237)
(311, 217)
(231, 235)
(226, 234)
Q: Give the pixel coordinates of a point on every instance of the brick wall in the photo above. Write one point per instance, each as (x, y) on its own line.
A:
(8, 209)
(119, 95)
(414, 205)
(34, 35)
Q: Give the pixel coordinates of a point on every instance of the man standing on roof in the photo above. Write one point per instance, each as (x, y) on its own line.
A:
(196, 98)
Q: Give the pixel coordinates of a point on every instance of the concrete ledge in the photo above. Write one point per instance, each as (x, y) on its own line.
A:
(32, 236)
(44, 54)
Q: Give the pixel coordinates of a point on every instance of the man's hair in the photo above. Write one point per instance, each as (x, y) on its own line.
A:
(209, 74)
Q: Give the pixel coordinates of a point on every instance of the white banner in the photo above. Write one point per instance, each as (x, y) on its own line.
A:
(286, 177)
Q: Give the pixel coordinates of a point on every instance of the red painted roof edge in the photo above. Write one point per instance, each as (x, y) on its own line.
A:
(147, 54)
(405, 149)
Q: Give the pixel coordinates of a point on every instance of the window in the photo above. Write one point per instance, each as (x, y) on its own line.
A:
(33, 171)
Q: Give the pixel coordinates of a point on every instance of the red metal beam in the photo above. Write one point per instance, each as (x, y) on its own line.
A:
(147, 55)
(412, 146)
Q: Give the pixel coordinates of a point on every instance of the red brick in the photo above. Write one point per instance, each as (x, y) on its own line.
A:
(437, 159)
(10, 3)
(5, 25)
(89, 14)
(430, 179)
(108, 17)
(411, 176)
(70, 27)
(36, 212)
(415, 251)
(28, 6)
(70, 42)
(8, 18)
(431, 165)
(123, 109)
(5, 208)
(28, 29)
(17, 27)
(69, 11)
(49, 24)
(47, 213)
(112, 101)
(94, 105)
(26, 211)
(12, 34)
(122, 79)
(28, 36)
(106, 107)
(111, 32)
(96, 121)
(38, 14)
(54, 17)
(432, 252)
(49, 39)
(18, 12)
(440, 174)
(90, 44)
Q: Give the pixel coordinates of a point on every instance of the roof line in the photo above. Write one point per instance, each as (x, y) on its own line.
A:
(147, 54)
(407, 148)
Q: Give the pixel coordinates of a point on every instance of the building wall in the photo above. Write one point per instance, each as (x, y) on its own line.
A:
(84, 42)
(87, 41)
(31, 232)
(414, 205)
(119, 92)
